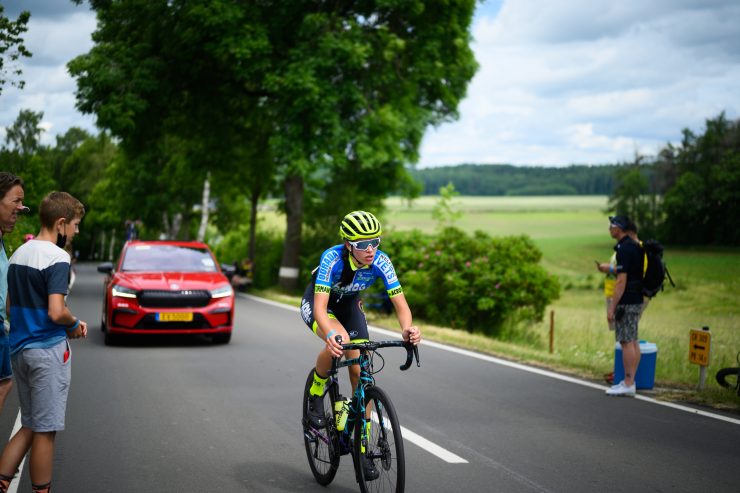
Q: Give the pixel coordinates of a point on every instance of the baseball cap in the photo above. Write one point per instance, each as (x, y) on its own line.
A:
(622, 222)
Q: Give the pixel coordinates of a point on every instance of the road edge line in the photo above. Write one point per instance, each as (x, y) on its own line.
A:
(519, 366)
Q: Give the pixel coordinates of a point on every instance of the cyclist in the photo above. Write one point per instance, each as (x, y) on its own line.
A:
(331, 305)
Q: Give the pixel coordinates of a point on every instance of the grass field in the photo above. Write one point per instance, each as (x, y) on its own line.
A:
(572, 232)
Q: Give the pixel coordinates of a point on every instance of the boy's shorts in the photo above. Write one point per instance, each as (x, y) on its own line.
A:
(43, 377)
(6, 371)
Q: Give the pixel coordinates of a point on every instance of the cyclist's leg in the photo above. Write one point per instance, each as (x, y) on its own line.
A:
(356, 324)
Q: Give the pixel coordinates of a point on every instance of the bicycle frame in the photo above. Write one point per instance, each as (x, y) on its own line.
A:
(357, 411)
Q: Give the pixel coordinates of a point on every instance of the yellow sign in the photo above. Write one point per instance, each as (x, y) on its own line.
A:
(699, 343)
(175, 317)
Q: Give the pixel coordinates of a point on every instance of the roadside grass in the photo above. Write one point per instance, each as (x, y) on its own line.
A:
(572, 233)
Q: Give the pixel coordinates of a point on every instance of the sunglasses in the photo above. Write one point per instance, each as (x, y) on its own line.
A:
(365, 244)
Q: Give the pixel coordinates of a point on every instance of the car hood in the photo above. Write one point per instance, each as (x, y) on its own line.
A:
(171, 281)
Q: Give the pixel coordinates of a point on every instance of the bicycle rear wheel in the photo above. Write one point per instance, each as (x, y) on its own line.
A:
(384, 446)
(729, 378)
(322, 446)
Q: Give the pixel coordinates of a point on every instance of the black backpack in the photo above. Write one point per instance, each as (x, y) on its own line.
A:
(656, 272)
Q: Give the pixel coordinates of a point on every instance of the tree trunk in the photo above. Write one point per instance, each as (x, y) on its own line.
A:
(288, 276)
(254, 199)
(204, 208)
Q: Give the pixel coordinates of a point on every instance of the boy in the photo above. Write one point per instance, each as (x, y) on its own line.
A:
(41, 325)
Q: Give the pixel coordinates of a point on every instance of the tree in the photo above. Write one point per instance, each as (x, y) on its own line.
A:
(24, 135)
(342, 90)
(703, 206)
(12, 46)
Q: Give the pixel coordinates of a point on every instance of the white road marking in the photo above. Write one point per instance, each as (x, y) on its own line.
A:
(13, 488)
(519, 366)
(425, 444)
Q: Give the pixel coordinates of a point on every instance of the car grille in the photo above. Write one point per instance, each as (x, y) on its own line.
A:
(174, 299)
(150, 321)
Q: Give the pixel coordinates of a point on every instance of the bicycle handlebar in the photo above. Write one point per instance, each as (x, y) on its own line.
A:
(412, 351)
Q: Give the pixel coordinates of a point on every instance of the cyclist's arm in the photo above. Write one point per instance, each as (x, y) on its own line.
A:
(403, 312)
(321, 313)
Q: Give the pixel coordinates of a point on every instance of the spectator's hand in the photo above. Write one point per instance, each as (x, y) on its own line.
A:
(412, 334)
(603, 268)
(80, 331)
(610, 314)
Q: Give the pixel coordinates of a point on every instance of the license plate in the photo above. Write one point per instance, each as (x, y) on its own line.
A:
(175, 317)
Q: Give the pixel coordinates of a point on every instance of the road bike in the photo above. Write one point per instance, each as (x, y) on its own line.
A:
(372, 431)
(729, 378)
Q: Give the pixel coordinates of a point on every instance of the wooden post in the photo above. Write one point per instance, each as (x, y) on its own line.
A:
(552, 330)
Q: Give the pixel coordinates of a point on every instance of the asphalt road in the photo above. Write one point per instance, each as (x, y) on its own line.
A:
(180, 414)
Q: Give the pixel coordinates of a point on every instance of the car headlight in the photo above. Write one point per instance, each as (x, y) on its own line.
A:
(123, 291)
(222, 292)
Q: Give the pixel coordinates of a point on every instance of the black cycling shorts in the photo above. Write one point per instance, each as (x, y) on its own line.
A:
(348, 310)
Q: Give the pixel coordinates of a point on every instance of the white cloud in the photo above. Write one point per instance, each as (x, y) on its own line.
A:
(591, 82)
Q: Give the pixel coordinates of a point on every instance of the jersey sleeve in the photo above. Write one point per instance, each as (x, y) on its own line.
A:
(330, 260)
(57, 278)
(387, 272)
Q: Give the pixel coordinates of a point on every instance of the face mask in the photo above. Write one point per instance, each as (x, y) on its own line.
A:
(61, 240)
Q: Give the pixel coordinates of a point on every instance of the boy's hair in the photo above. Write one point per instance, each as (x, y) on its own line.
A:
(59, 205)
(8, 181)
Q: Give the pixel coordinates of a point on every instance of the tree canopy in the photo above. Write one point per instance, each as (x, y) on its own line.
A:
(330, 96)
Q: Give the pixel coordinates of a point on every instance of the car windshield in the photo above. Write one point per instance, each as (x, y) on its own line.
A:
(168, 258)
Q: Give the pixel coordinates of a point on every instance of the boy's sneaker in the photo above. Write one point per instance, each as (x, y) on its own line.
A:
(316, 415)
(368, 468)
(622, 390)
(620, 384)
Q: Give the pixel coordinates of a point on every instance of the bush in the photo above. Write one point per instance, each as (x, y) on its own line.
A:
(268, 253)
(476, 283)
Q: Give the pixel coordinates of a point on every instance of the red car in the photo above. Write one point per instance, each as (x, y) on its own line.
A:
(167, 287)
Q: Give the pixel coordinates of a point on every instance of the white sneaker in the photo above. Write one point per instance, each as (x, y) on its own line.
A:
(620, 384)
(622, 390)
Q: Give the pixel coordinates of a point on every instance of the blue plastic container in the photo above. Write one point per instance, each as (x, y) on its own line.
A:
(645, 378)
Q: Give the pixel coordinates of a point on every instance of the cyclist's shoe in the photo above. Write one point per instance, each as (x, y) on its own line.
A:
(316, 415)
(368, 468)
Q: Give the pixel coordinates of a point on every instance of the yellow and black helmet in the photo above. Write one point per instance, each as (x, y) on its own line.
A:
(359, 225)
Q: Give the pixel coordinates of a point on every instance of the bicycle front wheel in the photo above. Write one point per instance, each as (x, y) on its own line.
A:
(322, 445)
(379, 448)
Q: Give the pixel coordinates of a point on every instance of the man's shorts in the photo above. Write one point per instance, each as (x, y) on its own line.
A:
(625, 322)
(6, 371)
(349, 312)
(42, 377)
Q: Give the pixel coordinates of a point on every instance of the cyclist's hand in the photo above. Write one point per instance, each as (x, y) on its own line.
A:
(333, 346)
(412, 334)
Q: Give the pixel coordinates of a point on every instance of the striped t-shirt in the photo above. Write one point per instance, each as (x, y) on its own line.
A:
(37, 269)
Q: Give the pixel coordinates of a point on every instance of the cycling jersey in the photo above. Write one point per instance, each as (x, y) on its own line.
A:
(329, 273)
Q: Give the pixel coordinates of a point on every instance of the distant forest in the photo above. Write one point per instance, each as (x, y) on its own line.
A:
(503, 179)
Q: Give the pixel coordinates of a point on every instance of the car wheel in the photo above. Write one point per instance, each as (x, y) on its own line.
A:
(103, 328)
(222, 338)
(110, 339)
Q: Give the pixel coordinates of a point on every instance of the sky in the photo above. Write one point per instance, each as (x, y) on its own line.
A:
(559, 83)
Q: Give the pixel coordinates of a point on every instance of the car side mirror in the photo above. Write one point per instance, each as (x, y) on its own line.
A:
(229, 270)
(106, 268)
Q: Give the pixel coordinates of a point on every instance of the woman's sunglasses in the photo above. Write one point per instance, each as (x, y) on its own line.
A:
(365, 244)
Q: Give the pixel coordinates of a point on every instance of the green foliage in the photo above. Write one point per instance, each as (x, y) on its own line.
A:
(477, 282)
(12, 46)
(704, 207)
(495, 179)
(444, 212)
(232, 247)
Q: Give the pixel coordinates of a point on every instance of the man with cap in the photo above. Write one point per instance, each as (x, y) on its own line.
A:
(626, 305)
